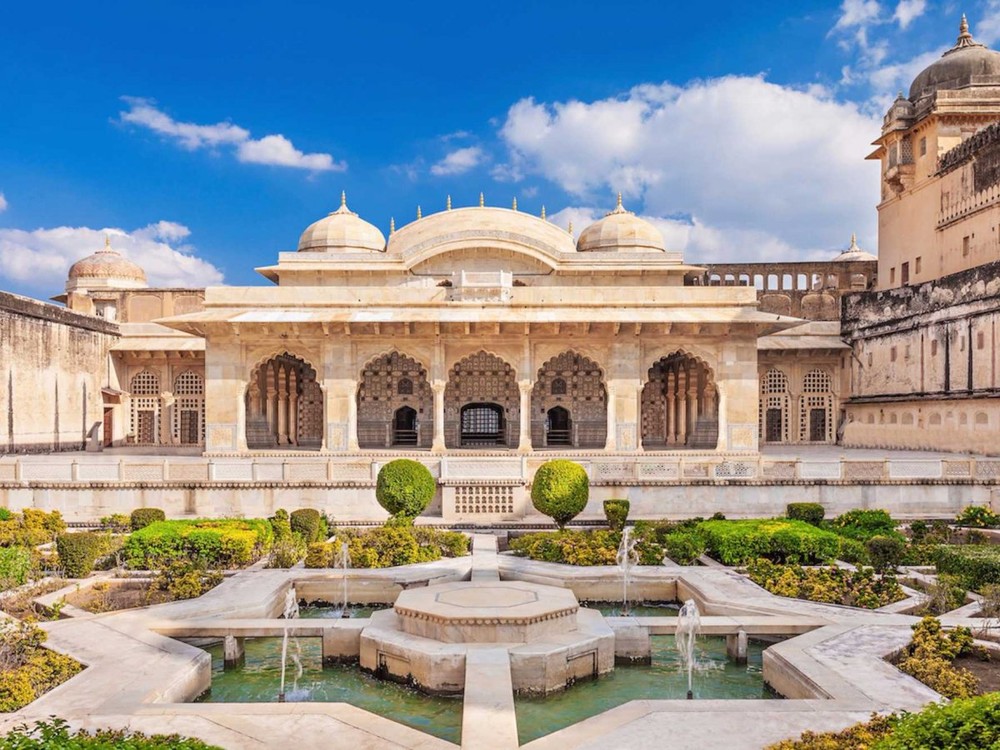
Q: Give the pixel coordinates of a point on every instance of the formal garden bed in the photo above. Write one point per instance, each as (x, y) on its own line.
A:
(27, 668)
(56, 733)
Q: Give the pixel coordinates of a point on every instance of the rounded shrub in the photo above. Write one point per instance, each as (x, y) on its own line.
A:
(78, 552)
(319, 555)
(404, 488)
(616, 511)
(885, 552)
(307, 523)
(142, 517)
(560, 490)
(809, 512)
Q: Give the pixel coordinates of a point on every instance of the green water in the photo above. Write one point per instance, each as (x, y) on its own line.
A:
(325, 611)
(258, 680)
(639, 609)
(716, 677)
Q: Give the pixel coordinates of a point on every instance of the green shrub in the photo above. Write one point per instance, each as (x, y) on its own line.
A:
(978, 517)
(319, 555)
(55, 733)
(225, 543)
(864, 524)
(30, 528)
(809, 512)
(281, 526)
(570, 547)
(183, 579)
(929, 658)
(616, 513)
(833, 585)
(143, 517)
(450, 543)
(684, 547)
(885, 552)
(404, 488)
(16, 566)
(858, 737)
(966, 724)
(560, 490)
(78, 552)
(307, 522)
(945, 594)
(6, 515)
(976, 565)
(779, 540)
(287, 551)
(390, 545)
(27, 669)
(852, 551)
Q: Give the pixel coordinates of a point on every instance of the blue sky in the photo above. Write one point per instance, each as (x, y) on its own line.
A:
(204, 137)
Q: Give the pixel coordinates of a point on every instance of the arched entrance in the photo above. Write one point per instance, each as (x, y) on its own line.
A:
(816, 420)
(774, 407)
(284, 405)
(558, 427)
(680, 406)
(482, 426)
(575, 384)
(481, 403)
(189, 409)
(404, 426)
(145, 397)
(388, 385)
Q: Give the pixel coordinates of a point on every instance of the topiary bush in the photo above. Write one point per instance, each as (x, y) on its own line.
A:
(405, 488)
(616, 513)
(809, 512)
(560, 490)
(309, 523)
(225, 543)
(78, 552)
(143, 517)
(885, 552)
(777, 539)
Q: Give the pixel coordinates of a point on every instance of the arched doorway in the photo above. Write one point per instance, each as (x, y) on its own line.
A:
(774, 407)
(388, 384)
(816, 420)
(558, 427)
(574, 383)
(145, 396)
(284, 405)
(404, 426)
(189, 409)
(680, 406)
(482, 426)
(482, 403)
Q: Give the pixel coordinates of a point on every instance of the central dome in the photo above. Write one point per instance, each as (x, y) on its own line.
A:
(341, 231)
(968, 63)
(622, 231)
(106, 268)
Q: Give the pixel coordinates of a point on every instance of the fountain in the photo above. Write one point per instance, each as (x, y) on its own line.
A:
(290, 612)
(688, 625)
(342, 560)
(627, 558)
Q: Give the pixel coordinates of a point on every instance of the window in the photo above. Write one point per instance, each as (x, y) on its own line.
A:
(980, 340)
(904, 273)
(404, 387)
(869, 359)
(965, 247)
(923, 146)
(961, 343)
(892, 275)
(934, 347)
(558, 387)
(917, 265)
(907, 351)
(892, 354)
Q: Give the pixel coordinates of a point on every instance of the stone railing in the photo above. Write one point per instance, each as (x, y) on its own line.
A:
(636, 469)
(969, 205)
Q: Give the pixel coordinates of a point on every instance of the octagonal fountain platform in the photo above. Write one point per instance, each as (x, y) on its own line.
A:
(425, 637)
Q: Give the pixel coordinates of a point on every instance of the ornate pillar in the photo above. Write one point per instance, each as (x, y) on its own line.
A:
(524, 443)
(692, 399)
(293, 407)
(272, 402)
(670, 391)
(438, 444)
(610, 442)
(166, 427)
(682, 377)
(352, 419)
(254, 398)
(282, 375)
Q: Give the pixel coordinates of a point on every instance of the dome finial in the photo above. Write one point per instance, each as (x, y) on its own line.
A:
(543, 211)
(448, 204)
(392, 225)
(482, 200)
(619, 204)
(854, 241)
(419, 215)
(107, 243)
(570, 229)
(965, 36)
(343, 199)
(514, 204)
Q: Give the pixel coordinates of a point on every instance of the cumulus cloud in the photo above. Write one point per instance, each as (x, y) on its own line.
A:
(275, 150)
(858, 13)
(458, 161)
(3, 203)
(769, 167)
(907, 11)
(39, 259)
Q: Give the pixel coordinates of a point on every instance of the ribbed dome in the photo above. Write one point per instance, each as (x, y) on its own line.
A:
(622, 231)
(341, 231)
(854, 252)
(108, 265)
(968, 63)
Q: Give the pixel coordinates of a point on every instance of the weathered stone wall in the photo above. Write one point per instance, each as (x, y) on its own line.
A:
(925, 365)
(53, 363)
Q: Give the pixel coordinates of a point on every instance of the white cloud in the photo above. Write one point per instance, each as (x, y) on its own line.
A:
(458, 161)
(987, 28)
(769, 167)
(907, 11)
(40, 259)
(275, 150)
(858, 13)
(3, 203)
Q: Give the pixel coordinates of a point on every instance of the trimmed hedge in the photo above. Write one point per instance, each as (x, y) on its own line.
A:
(309, 524)
(809, 512)
(29, 669)
(560, 490)
(404, 488)
(864, 524)
(977, 565)
(778, 540)
(143, 517)
(47, 735)
(226, 543)
(78, 552)
(16, 566)
(616, 513)
(388, 546)
(833, 585)
(30, 528)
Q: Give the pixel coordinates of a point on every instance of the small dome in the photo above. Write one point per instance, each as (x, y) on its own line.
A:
(854, 252)
(341, 231)
(968, 63)
(107, 265)
(622, 231)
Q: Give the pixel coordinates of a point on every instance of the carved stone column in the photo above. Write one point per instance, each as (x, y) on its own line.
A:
(293, 407)
(438, 444)
(692, 399)
(272, 403)
(682, 377)
(282, 375)
(352, 418)
(611, 442)
(524, 443)
(669, 390)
